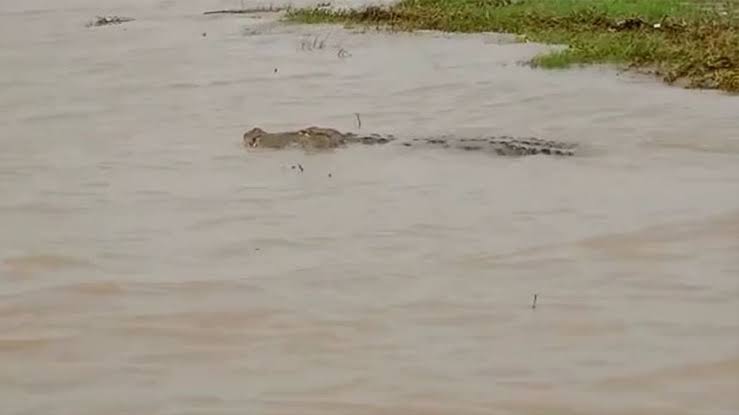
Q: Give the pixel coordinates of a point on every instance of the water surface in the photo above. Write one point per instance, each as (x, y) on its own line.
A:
(149, 264)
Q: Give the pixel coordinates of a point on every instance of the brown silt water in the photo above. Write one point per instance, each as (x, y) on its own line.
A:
(150, 264)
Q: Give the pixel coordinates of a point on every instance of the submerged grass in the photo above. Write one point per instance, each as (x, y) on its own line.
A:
(694, 42)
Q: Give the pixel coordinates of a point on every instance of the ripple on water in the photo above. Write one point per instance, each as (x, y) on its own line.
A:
(162, 269)
(31, 264)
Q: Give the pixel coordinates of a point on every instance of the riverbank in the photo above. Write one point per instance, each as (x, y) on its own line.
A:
(684, 43)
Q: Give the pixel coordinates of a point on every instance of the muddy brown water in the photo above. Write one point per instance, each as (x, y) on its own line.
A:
(150, 265)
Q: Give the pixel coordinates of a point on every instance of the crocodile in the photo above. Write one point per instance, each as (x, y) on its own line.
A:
(320, 138)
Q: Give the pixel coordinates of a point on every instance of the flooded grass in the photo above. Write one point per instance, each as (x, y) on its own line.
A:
(693, 43)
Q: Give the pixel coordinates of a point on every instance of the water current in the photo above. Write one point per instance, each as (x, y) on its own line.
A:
(149, 264)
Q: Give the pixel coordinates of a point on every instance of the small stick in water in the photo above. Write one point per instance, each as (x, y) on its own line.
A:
(533, 305)
(242, 10)
(359, 120)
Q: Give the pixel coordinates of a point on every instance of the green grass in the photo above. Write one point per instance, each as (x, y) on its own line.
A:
(694, 42)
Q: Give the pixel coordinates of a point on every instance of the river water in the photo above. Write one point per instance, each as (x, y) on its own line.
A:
(150, 265)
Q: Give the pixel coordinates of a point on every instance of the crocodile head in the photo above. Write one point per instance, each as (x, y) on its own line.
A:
(252, 137)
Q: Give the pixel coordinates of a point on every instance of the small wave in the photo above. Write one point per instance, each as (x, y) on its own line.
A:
(22, 345)
(28, 264)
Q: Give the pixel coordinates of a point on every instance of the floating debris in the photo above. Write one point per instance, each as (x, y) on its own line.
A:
(313, 44)
(253, 10)
(109, 20)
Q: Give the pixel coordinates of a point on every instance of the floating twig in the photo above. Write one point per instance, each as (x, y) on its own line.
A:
(109, 20)
(242, 10)
(359, 120)
(533, 305)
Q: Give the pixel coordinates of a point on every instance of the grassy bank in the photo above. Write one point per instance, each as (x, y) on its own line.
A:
(695, 43)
